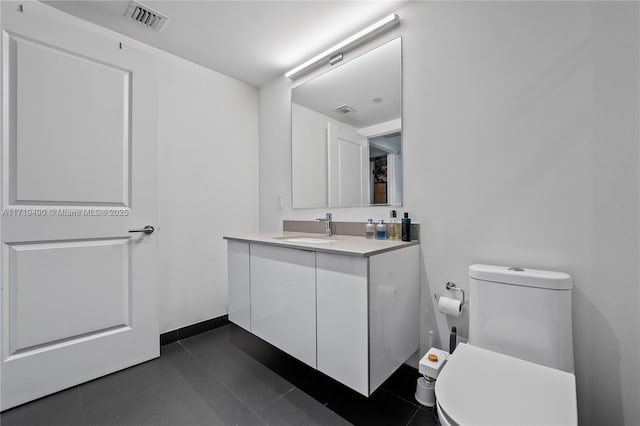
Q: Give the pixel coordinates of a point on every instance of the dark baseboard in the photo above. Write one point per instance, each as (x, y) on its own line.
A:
(193, 329)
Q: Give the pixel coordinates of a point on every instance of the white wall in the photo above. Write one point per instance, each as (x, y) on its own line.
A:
(208, 171)
(520, 148)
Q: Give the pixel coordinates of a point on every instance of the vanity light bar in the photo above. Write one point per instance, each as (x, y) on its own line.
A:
(375, 28)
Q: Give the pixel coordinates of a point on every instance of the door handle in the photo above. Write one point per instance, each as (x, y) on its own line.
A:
(148, 229)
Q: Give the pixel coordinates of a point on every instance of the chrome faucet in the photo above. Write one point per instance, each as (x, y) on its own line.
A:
(327, 223)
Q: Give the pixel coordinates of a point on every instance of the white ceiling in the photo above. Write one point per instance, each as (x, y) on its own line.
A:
(252, 41)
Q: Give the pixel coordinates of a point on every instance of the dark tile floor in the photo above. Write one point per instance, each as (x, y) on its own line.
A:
(224, 377)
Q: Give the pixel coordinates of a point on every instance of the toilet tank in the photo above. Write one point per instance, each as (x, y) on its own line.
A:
(524, 313)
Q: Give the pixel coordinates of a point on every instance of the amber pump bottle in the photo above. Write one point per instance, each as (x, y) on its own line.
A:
(394, 227)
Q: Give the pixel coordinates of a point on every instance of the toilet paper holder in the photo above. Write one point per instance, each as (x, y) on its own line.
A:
(452, 287)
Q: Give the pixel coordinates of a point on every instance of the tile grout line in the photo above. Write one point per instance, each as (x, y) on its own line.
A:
(400, 397)
(415, 413)
(83, 408)
(88, 414)
(280, 397)
(259, 412)
(222, 383)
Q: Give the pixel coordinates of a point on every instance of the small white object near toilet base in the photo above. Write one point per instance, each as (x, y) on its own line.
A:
(426, 391)
(432, 362)
(430, 366)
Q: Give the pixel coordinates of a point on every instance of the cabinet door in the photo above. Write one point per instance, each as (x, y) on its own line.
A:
(283, 299)
(239, 283)
(343, 319)
(394, 319)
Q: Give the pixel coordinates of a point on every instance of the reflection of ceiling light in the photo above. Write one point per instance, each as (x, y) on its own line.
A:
(344, 45)
(377, 100)
(343, 109)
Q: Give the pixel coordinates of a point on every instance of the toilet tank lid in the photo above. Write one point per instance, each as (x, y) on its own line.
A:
(521, 276)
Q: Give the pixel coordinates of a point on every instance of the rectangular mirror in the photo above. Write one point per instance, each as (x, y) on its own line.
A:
(346, 133)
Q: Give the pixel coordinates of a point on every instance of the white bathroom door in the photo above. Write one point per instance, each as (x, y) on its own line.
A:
(79, 170)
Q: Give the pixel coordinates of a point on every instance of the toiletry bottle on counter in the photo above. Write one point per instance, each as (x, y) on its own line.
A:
(369, 229)
(381, 230)
(393, 228)
(406, 227)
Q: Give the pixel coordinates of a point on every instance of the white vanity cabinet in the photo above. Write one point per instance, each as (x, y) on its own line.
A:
(239, 294)
(353, 316)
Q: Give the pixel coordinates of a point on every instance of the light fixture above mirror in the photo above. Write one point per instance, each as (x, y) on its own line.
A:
(335, 53)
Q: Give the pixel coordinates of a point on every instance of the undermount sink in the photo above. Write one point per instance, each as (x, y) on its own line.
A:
(307, 240)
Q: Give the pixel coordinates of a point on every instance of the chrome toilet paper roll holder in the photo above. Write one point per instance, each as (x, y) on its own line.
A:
(453, 288)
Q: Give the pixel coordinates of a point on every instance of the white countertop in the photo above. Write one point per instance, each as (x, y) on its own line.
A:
(337, 244)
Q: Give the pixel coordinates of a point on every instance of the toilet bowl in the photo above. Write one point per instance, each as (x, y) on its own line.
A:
(478, 386)
(517, 368)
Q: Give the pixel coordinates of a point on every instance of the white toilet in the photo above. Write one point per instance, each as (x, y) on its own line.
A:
(517, 368)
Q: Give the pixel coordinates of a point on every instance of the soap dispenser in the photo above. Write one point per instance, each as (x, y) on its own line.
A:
(369, 229)
(406, 227)
(381, 230)
(393, 228)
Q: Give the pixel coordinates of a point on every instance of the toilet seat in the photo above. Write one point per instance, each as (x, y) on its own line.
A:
(481, 387)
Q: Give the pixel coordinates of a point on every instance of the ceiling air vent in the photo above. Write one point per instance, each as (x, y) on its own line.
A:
(146, 16)
(343, 109)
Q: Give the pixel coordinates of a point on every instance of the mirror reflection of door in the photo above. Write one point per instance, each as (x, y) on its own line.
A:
(385, 163)
(347, 166)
